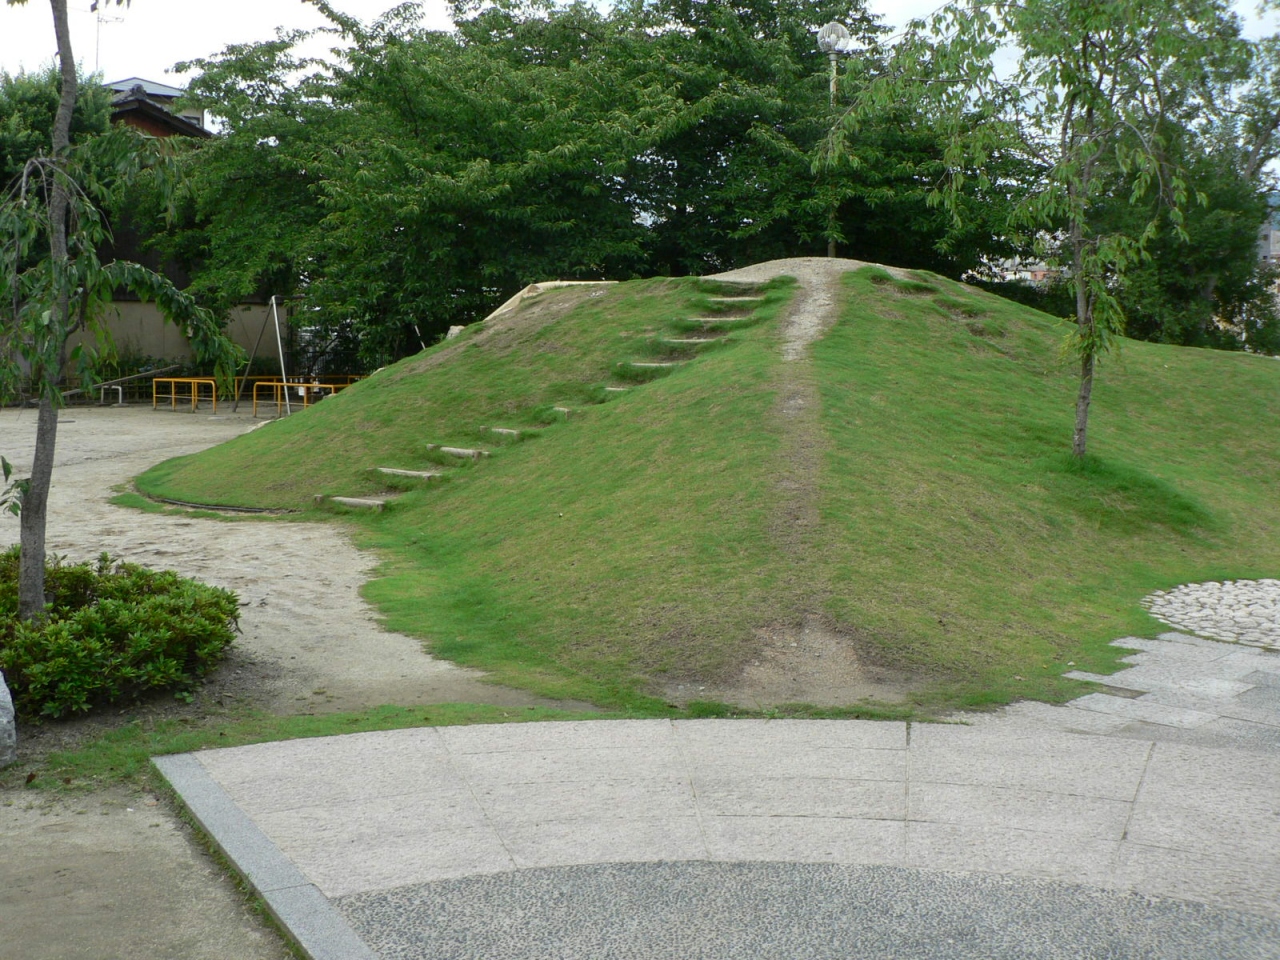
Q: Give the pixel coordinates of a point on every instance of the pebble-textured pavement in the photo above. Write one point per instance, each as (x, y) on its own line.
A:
(1142, 820)
(783, 911)
(1241, 611)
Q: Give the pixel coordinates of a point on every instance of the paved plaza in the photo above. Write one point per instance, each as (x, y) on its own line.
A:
(1142, 820)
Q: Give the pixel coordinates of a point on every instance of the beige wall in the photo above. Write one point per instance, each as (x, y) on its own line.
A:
(138, 328)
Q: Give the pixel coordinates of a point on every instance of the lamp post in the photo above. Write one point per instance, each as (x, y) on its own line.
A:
(831, 38)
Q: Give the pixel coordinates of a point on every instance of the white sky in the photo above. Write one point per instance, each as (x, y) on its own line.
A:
(148, 37)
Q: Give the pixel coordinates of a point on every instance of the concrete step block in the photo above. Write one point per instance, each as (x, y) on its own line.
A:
(503, 431)
(358, 503)
(464, 453)
(417, 474)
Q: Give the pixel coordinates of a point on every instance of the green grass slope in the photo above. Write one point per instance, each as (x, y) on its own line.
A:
(637, 543)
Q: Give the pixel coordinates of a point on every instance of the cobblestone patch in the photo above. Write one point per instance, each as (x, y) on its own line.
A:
(1238, 611)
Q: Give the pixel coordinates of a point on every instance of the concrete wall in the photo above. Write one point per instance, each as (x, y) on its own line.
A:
(138, 328)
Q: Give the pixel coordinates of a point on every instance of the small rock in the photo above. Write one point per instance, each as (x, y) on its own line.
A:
(8, 726)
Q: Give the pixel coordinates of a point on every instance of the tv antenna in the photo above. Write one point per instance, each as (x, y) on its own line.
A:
(96, 9)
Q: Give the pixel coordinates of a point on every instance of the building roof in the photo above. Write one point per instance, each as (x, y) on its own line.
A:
(138, 111)
(151, 88)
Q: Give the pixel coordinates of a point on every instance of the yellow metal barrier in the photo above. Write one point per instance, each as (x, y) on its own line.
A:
(193, 387)
(306, 391)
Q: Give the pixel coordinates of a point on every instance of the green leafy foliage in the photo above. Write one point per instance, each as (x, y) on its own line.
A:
(112, 632)
(1092, 102)
(35, 331)
(11, 492)
(28, 103)
(423, 177)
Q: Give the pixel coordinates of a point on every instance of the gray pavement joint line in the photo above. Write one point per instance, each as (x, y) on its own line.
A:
(475, 798)
(1133, 807)
(906, 787)
(693, 790)
(298, 906)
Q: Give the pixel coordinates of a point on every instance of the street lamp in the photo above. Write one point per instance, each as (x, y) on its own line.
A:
(831, 39)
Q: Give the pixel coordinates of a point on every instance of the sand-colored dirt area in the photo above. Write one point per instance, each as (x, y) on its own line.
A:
(309, 642)
(116, 875)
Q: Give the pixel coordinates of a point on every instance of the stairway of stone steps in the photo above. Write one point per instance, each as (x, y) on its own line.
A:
(686, 348)
(691, 345)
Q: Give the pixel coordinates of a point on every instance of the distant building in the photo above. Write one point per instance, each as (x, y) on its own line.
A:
(150, 107)
(1033, 272)
(1269, 233)
(138, 329)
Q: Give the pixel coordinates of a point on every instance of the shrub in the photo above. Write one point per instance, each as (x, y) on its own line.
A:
(112, 632)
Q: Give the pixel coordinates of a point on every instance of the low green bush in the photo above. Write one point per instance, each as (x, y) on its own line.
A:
(112, 632)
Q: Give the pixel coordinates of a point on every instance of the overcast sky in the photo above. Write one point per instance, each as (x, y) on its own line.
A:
(148, 37)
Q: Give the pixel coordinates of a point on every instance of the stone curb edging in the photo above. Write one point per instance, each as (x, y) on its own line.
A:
(298, 906)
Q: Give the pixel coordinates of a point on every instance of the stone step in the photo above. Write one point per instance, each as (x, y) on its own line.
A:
(735, 299)
(418, 474)
(503, 431)
(358, 503)
(653, 365)
(689, 341)
(462, 452)
(616, 389)
(564, 411)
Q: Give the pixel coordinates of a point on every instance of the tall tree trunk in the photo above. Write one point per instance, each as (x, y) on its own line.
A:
(35, 500)
(1084, 324)
(35, 503)
(1083, 397)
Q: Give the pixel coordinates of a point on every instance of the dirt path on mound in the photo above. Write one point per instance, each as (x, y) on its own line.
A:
(811, 661)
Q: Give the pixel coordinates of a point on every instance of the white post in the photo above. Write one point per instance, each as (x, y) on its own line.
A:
(8, 727)
(284, 377)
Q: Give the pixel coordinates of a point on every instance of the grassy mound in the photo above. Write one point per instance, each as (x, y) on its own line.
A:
(645, 538)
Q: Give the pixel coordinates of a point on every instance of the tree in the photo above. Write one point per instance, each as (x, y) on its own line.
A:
(1208, 289)
(421, 177)
(415, 182)
(53, 284)
(1091, 99)
(28, 107)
